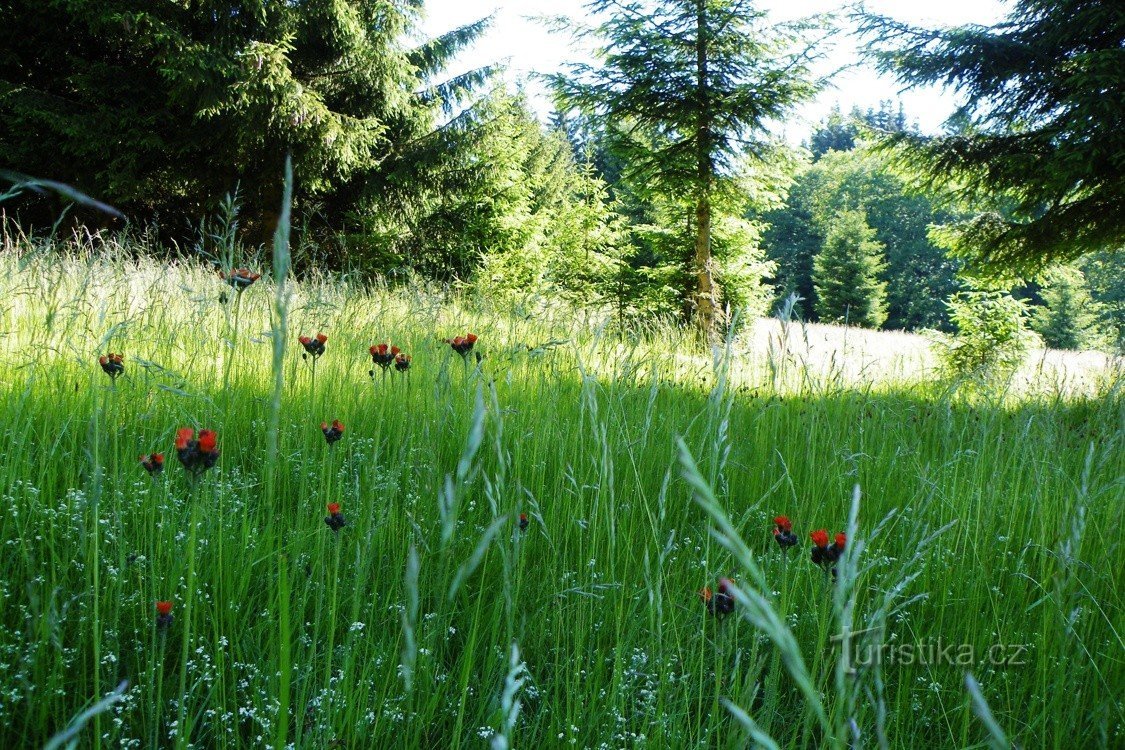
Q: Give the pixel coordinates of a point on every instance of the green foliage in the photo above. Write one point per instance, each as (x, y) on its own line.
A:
(846, 273)
(842, 133)
(1105, 275)
(991, 338)
(565, 239)
(1038, 149)
(161, 108)
(687, 88)
(918, 273)
(1069, 317)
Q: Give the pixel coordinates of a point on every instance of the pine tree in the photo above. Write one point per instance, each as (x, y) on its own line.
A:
(1068, 318)
(690, 86)
(846, 273)
(1039, 142)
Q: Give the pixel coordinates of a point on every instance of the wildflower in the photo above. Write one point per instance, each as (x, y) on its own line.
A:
(112, 364)
(721, 602)
(334, 432)
(783, 532)
(335, 519)
(154, 463)
(826, 555)
(836, 551)
(402, 362)
(242, 278)
(197, 456)
(313, 346)
(523, 522)
(462, 344)
(820, 554)
(384, 355)
(163, 614)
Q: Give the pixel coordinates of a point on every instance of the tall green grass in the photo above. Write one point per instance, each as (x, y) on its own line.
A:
(647, 468)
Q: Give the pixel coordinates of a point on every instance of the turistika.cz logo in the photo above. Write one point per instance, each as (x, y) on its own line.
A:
(865, 653)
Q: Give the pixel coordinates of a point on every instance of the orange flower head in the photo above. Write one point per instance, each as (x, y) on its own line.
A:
(333, 508)
(337, 425)
(207, 441)
(158, 458)
(305, 340)
(321, 338)
(471, 338)
(783, 523)
(841, 540)
(819, 537)
(184, 435)
(164, 608)
(705, 594)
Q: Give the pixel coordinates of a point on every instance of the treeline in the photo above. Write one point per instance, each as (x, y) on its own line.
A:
(655, 189)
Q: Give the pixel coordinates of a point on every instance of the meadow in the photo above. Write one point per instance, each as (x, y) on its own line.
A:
(646, 468)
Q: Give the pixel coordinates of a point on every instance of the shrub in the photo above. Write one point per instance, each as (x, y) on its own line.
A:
(991, 339)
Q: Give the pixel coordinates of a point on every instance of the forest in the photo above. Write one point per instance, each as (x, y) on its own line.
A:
(181, 115)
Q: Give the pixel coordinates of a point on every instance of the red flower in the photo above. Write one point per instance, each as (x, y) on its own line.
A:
(333, 433)
(462, 344)
(197, 456)
(207, 441)
(184, 435)
(384, 354)
(313, 346)
(402, 362)
(523, 522)
(112, 364)
(721, 603)
(783, 532)
(163, 614)
(826, 556)
(335, 520)
(154, 463)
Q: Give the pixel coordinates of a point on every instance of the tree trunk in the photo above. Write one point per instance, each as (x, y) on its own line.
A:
(705, 307)
(705, 302)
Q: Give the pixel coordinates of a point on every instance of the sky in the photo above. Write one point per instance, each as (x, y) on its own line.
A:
(527, 47)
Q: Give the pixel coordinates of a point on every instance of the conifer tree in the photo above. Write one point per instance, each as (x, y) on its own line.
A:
(690, 85)
(846, 273)
(1068, 318)
(1039, 149)
(163, 108)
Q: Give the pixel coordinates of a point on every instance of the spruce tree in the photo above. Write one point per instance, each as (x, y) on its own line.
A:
(1068, 318)
(1039, 147)
(846, 273)
(163, 108)
(690, 86)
